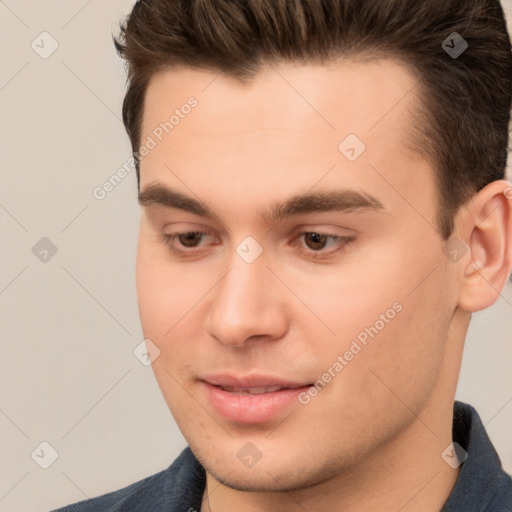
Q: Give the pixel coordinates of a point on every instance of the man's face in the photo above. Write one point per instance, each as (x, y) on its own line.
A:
(346, 288)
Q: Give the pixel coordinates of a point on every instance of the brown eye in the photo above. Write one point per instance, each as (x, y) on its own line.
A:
(191, 239)
(315, 241)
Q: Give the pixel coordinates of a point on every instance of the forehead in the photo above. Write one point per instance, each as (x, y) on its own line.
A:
(331, 97)
(313, 102)
(288, 124)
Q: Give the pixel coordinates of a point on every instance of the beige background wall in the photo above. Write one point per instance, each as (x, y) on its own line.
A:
(69, 325)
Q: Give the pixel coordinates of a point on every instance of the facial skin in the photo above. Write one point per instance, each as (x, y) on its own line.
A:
(372, 438)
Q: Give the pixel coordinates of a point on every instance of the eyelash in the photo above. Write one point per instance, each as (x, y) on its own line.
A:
(343, 241)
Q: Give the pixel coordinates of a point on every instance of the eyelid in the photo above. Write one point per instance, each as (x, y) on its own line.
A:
(323, 229)
(168, 238)
(341, 242)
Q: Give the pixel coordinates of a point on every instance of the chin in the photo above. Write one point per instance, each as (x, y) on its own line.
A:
(272, 473)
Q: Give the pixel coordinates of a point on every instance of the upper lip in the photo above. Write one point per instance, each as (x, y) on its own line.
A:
(251, 381)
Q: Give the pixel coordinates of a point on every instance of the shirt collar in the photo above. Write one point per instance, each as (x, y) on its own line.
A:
(481, 476)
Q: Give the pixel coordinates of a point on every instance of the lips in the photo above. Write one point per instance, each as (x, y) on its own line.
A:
(252, 391)
(253, 399)
(251, 382)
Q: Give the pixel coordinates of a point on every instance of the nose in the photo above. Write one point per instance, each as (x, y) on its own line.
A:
(246, 305)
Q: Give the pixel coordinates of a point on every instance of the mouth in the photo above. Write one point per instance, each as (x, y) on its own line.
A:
(252, 400)
(256, 390)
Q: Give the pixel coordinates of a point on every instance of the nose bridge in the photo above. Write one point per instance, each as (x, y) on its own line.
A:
(242, 282)
(244, 304)
(242, 293)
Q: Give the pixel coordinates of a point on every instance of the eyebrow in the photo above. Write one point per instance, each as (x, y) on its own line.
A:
(326, 201)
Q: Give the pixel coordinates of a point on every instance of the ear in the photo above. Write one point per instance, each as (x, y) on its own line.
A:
(486, 229)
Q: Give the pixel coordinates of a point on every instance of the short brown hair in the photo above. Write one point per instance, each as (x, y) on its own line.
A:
(463, 124)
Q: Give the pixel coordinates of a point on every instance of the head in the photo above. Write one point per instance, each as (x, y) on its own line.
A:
(300, 217)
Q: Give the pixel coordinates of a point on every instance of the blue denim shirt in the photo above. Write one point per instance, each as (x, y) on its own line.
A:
(482, 485)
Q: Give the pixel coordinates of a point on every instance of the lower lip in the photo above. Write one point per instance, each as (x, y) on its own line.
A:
(246, 408)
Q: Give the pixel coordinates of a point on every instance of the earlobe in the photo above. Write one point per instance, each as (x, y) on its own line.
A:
(488, 230)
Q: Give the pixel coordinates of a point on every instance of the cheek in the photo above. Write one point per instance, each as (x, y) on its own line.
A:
(164, 293)
(164, 299)
(384, 318)
(351, 295)
(152, 289)
(405, 357)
